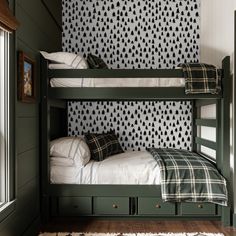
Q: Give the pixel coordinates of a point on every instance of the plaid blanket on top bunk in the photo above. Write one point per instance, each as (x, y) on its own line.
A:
(201, 78)
(186, 176)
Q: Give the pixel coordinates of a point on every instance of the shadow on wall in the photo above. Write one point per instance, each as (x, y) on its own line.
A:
(214, 56)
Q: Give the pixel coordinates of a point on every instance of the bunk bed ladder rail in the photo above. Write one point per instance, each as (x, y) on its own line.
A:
(222, 125)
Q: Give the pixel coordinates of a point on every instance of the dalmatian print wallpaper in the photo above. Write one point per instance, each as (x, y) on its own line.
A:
(133, 33)
(139, 125)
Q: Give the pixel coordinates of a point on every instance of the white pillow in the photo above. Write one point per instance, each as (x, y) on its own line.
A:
(71, 147)
(75, 61)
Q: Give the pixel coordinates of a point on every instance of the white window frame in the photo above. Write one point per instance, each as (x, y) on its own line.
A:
(4, 121)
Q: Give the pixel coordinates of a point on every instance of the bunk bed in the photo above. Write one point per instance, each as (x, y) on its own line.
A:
(131, 201)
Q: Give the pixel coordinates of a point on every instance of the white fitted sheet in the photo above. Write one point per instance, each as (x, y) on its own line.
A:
(138, 167)
(117, 82)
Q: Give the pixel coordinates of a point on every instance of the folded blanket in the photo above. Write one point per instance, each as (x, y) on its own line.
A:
(201, 78)
(187, 176)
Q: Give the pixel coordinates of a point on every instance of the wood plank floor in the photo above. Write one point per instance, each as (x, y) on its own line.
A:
(137, 226)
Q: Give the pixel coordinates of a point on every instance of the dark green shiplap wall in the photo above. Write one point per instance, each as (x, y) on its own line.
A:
(38, 31)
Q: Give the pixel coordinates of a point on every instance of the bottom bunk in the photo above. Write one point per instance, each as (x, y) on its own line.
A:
(81, 196)
(107, 191)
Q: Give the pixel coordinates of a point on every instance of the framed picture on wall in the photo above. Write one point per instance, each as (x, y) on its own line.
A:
(26, 78)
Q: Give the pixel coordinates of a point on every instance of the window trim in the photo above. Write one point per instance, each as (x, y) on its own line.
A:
(10, 206)
(4, 121)
(8, 22)
(7, 210)
(12, 116)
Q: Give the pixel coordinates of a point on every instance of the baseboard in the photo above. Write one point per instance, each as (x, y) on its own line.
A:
(33, 230)
(226, 216)
(234, 220)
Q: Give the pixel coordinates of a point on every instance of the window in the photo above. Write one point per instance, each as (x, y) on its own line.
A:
(8, 24)
(4, 120)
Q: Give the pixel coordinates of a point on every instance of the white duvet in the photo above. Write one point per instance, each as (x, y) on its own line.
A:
(138, 167)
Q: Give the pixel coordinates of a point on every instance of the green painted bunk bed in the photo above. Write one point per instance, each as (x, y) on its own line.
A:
(130, 201)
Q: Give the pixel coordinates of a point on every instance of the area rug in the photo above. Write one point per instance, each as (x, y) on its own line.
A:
(131, 234)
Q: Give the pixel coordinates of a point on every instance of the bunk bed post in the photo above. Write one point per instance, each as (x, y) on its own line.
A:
(219, 160)
(45, 118)
(224, 105)
(234, 111)
(195, 115)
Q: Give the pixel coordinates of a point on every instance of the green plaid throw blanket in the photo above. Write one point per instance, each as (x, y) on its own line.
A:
(186, 176)
(201, 78)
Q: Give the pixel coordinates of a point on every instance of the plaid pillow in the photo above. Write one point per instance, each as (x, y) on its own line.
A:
(103, 145)
(95, 62)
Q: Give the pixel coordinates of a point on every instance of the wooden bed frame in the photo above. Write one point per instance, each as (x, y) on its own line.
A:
(130, 201)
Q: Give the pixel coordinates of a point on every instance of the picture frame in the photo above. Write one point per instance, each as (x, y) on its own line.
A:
(26, 78)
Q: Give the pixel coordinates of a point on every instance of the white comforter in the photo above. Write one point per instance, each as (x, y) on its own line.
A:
(137, 167)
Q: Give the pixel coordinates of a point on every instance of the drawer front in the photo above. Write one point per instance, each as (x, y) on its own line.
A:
(75, 206)
(155, 206)
(198, 209)
(111, 205)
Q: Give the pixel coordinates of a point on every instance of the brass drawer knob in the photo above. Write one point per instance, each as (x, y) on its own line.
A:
(158, 206)
(114, 206)
(200, 206)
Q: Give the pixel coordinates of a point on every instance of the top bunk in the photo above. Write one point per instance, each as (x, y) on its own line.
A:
(170, 84)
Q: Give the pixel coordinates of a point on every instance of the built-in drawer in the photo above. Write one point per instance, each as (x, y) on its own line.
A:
(198, 209)
(111, 205)
(75, 206)
(155, 206)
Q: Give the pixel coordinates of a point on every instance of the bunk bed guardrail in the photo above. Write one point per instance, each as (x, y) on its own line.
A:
(124, 93)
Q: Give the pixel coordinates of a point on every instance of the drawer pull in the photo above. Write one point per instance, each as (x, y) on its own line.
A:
(158, 206)
(75, 206)
(114, 206)
(200, 206)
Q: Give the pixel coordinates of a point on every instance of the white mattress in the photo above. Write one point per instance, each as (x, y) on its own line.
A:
(112, 82)
(117, 82)
(137, 167)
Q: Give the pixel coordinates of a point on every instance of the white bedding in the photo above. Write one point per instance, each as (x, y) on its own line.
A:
(137, 167)
(117, 82)
(112, 82)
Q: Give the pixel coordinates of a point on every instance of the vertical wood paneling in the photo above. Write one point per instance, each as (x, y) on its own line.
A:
(38, 31)
(27, 134)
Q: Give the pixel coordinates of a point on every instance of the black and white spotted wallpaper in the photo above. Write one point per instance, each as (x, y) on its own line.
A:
(133, 33)
(138, 124)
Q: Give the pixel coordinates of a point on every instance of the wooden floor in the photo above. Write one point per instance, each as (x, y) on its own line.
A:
(137, 226)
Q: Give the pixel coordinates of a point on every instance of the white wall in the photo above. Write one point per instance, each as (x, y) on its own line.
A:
(217, 30)
(217, 41)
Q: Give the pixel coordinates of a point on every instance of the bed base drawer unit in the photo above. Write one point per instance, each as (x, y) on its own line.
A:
(129, 206)
(198, 209)
(75, 206)
(155, 206)
(111, 205)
